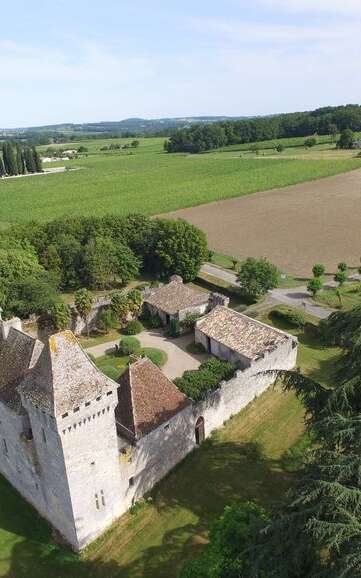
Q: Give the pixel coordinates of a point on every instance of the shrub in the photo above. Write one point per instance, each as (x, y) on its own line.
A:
(174, 328)
(129, 346)
(290, 316)
(107, 320)
(133, 327)
(157, 356)
(154, 322)
(197, 383)
(190, 320)
(342, 266)
(341, 276)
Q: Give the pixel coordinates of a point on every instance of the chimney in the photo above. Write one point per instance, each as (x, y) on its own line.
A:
(5, 326)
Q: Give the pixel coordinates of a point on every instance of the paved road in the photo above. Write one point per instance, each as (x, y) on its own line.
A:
(215, 271)
(179, 360)
(297, 297)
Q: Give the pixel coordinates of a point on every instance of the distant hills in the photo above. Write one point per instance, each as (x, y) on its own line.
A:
(129, 125)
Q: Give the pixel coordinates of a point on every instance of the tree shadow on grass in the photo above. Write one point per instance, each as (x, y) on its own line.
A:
(186, 504)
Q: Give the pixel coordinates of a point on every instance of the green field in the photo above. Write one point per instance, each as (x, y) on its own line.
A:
(247, 459)
(150, 181)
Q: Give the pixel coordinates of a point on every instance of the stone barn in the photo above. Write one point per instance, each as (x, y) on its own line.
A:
(175, 300)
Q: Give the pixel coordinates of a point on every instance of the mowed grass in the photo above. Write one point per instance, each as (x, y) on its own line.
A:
(151, 181)
(244, 460)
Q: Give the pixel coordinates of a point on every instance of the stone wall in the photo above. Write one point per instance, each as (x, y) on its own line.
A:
(77, 324)
(246, 385)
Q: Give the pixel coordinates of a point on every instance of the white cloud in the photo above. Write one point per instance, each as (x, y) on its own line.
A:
(314, 6)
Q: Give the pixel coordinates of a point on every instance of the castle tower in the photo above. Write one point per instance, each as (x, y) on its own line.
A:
(71, 408)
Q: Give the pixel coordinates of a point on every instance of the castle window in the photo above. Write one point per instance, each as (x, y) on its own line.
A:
(102, 496)
(5, 447)
(96, 501)
(99, 398)
(43, 434)
(64, 415)
(131, 482)
(109, 393)
(76, 409)
(87, 403)
(166, 427)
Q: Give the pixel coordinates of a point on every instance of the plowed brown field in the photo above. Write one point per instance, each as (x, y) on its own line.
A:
(295, 227)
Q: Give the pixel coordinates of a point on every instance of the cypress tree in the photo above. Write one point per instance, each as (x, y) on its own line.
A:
(11, 159)
(6, 158)
(37, 160)
(2, 168)
(19, 159)
(29, 160)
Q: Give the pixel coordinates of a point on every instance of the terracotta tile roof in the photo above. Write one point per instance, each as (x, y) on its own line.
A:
(240, 333)
(176, 296)
(147, 398)
(64, 377)
(18, 354)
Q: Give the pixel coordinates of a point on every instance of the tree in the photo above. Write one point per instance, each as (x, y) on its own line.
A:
(314, 285)
(135, 144)
(342, 266)
(346, 140)
(37, 161)
(2, 168)
(280, 148)
(70, 252)
(318, 270)
(135, 301)
(106, 262)
(120, 306)
(257, 276)
(83, 302)
(30, 160)
(310, 142)
(228, 553)
(60, 315)
(340, 277)
(32, 294)
(82, 149)
(9, 156)
(178, 248)
(333, 130)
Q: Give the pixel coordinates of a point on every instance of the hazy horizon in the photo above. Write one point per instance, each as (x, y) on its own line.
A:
(68, 62)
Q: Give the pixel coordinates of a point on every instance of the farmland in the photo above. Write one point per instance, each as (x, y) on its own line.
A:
(150, 181)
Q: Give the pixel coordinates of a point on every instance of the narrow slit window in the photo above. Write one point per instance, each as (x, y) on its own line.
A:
(97, 501)
(102, 497)
(5, 447)
(43, 434)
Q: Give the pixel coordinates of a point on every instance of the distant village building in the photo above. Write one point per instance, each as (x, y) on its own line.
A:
(82, 448)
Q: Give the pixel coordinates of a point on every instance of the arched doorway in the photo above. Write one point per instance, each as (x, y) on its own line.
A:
(199, 431)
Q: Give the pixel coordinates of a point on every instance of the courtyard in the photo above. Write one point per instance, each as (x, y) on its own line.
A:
(179, 354)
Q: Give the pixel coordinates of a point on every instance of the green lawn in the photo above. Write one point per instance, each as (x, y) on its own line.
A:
(114, 365)
(151, 181)
(350, 296)
(247, 459)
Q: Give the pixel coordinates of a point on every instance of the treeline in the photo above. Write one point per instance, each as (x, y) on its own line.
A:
(316, 531)
(329, 120)
(39, 260)
(17, 159)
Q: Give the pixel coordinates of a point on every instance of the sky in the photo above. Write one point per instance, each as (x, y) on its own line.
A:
(92, 60)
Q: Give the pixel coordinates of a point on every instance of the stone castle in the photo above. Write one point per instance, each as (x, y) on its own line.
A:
(82, 448)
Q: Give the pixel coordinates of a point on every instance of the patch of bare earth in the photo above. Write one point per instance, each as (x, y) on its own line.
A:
(295, 227)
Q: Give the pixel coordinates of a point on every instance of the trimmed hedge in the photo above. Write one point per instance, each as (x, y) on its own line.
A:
(197, 383)
(157, 356)
(129, 346)
(289, 316)
(133, 327)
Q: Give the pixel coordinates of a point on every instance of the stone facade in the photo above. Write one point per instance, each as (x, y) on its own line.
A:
(82, 448)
